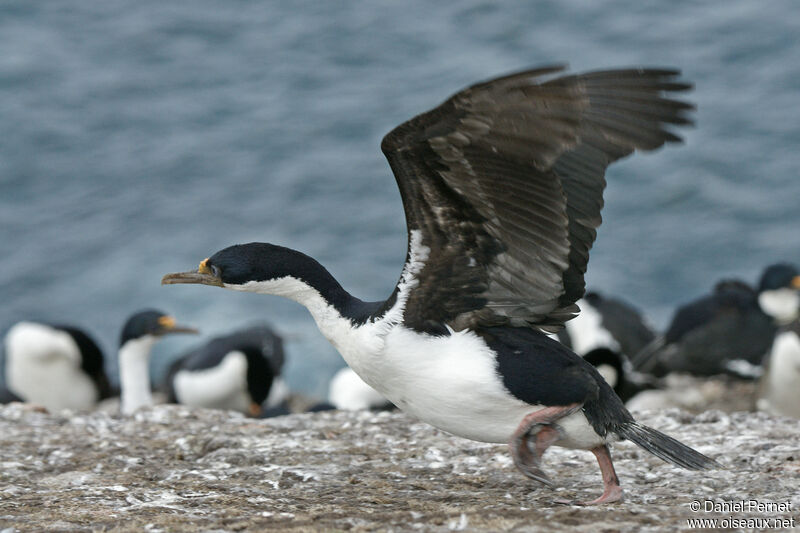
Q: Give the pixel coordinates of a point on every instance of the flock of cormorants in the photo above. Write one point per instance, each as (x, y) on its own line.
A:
(502, 190)
(727, 332)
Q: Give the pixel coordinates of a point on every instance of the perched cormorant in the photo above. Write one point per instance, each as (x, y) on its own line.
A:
(140, 332)
(502, 190)
(55, 366)
(779, 388)
(238, 371)
(728, 331)
(607, 332)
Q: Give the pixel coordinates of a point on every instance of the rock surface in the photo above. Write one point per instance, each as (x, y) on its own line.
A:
(698, 394)
(171, 468)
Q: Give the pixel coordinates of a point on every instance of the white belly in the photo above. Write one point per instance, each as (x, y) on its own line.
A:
(43, 367)
(453, 384)
(55, 385)
(782, 388)
(220, 387)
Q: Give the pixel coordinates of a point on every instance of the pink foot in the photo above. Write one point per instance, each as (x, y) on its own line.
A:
(612, 492)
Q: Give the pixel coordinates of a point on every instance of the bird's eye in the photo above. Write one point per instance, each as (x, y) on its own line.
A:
(215, 271)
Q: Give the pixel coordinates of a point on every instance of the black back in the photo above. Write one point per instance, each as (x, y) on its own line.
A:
(604, 356)
(92, 360)
(628, 328)
(539, 370)
(706, 334)
(260, 345)
(629, 382)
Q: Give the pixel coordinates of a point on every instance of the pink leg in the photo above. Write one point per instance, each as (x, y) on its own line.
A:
(541, 426)
(612, 492)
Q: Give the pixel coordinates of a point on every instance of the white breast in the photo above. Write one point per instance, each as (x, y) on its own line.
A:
(452, 383)
(348, 391)
(586, 331)
(781, 390)
(223, 386)
(781, 304)
(43, 367)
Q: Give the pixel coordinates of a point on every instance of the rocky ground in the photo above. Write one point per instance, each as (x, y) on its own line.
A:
(171, 468)
(698, 394)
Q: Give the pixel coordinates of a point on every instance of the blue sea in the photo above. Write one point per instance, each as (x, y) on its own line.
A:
(137, 138)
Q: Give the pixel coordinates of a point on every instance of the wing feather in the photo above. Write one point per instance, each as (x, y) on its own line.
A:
(505, 182)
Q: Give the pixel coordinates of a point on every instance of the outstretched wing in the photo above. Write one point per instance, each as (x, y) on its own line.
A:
(503, 184)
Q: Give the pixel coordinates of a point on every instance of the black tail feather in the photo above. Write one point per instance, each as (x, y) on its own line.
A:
(665, 447)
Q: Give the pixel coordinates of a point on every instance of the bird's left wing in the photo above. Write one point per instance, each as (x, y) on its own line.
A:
(502, 188)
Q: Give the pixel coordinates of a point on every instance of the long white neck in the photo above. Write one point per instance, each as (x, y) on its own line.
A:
(339, 316)
(134, 373)
(329, 320)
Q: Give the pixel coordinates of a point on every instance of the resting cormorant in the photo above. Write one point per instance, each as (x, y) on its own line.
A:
(727, 332)
(238, 371)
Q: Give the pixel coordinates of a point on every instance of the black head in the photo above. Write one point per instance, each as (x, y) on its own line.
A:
(266, 342)
(601, 357)
(779, 276)
(254, 262)
(150, 322)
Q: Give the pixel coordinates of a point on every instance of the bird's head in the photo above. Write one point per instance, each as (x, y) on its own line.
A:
(253, 267)
(152, 323)
(779, 276)
(779, 292)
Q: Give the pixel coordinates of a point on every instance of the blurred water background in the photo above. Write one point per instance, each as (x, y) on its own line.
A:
(137, 138)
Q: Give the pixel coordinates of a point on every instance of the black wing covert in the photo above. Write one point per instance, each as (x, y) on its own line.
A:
(504, 184)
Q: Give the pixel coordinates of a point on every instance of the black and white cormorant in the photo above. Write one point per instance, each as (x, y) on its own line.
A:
(55, 366)
(728, 331)
(502, 190)
(607, 332)
(140, 332)
(240, 371)
(779, 387)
